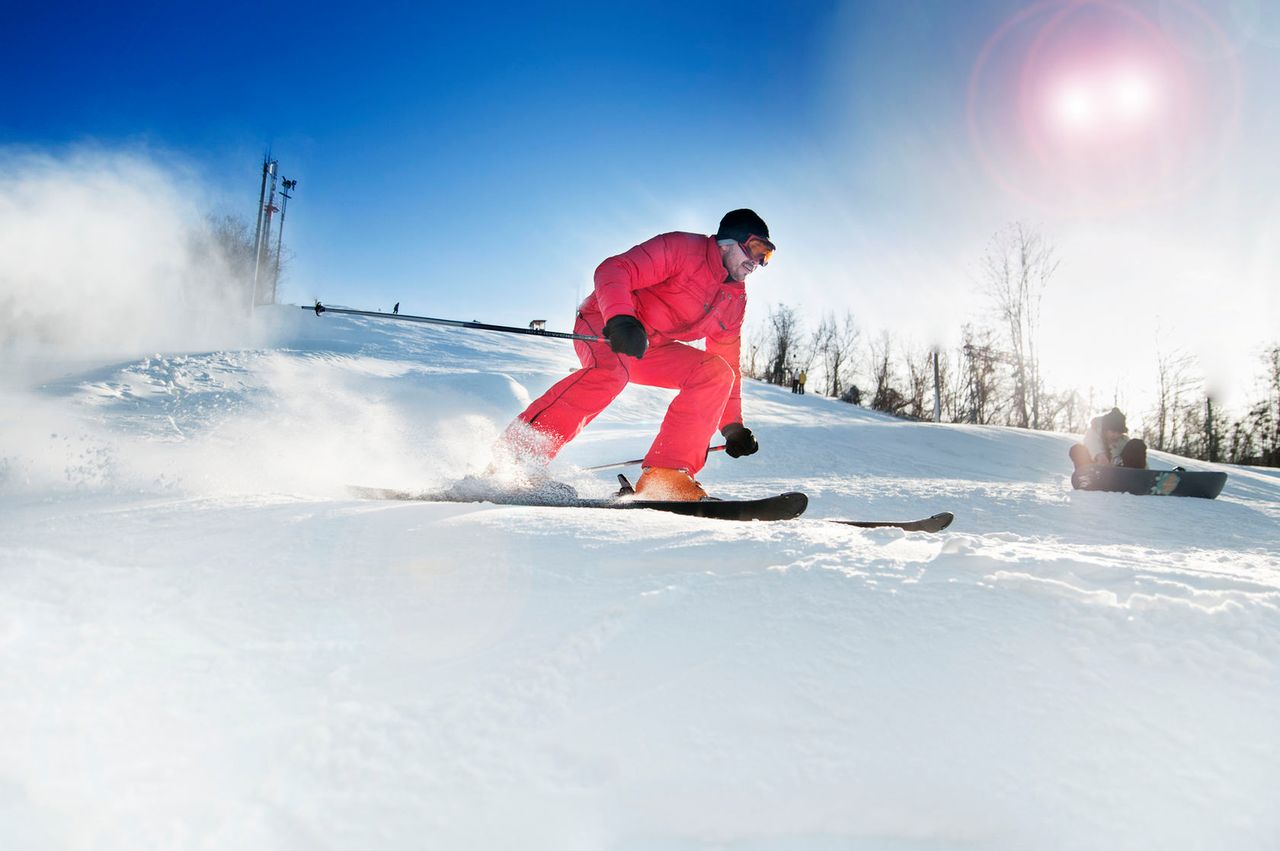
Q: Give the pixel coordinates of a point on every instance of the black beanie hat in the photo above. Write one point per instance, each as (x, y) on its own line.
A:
(740, 224)
(1113, 420)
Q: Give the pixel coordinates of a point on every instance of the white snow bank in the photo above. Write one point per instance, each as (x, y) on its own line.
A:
(205, 643)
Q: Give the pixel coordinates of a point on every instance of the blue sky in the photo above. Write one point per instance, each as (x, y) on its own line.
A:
(478, 161)
(426, 135)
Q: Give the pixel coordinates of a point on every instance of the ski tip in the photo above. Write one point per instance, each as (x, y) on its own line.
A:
(933, 523)
(796, 498)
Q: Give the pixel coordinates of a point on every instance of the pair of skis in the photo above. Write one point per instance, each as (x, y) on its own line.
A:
(783, 506)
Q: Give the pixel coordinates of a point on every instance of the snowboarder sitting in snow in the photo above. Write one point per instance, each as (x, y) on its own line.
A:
(1106, 442)
(647, 304)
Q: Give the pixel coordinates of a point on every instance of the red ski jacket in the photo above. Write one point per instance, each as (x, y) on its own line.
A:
(675, 285)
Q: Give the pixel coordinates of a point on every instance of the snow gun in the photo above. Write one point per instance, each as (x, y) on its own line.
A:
(454, 323)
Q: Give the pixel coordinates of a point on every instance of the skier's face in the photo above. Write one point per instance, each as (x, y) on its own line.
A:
(737, 262)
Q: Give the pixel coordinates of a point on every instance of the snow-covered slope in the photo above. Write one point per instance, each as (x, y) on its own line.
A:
(206, 642)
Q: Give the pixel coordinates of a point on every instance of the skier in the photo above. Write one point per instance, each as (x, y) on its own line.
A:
(801, 380)
(647, 304)
(1106, 442)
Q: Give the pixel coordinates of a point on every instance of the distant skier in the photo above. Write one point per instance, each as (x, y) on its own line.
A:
(801, 380)
(648, 302)
(395, 311)
(1106, 441)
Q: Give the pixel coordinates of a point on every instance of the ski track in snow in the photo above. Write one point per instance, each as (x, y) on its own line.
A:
(206, 642)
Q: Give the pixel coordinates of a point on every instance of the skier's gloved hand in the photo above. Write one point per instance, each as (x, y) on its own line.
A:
(739, 441)
(626, 335)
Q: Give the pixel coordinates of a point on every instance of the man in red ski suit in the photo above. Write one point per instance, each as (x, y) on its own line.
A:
(647, 304)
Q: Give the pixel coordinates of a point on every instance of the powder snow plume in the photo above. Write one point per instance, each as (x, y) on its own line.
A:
(108, 253)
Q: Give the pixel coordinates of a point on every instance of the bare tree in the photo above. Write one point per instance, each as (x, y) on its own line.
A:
(885, 397)
(229, 239)
(751, 340)
(1267, 416)
(784, 332)
(1255, 437)
(919, 399)
(982, 376)
(1188, 437)
(1215, 423)
(1016, 270)
(225, 244)
(1173, 382)
(1075, 411)
(1062, 410)
(1243, 447)
(834, 343)
(819, 343)
(952, 378)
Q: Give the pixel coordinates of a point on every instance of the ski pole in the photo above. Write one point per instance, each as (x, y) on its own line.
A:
(635, 461)
(455, 323)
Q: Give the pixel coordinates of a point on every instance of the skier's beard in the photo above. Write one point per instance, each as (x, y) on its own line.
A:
(736, 261)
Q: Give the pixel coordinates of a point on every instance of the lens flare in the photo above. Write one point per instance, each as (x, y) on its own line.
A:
(1075, 106)
(1131, 94)
(1089, 104)
(1118, 102)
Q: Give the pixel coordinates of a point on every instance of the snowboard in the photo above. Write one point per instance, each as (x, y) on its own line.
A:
(783, 506)
(1102, 477)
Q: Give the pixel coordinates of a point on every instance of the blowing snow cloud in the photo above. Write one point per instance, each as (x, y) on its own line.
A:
(108, 253)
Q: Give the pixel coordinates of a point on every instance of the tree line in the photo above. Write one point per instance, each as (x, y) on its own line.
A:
(994, 376)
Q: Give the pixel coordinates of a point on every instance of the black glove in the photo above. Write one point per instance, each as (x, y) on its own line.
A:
(626, 335)
(739, 441)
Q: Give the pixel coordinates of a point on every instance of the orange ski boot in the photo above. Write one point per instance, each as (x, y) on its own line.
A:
(668, 485)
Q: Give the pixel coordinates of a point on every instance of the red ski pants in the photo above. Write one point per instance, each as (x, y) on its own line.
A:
(704, 381)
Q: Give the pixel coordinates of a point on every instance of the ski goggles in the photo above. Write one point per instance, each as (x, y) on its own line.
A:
(765, 246)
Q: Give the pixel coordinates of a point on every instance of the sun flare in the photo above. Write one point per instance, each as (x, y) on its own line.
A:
(1093, 105)
(1104, 101)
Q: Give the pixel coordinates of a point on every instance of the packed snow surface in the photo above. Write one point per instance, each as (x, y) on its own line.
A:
(207, 642)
